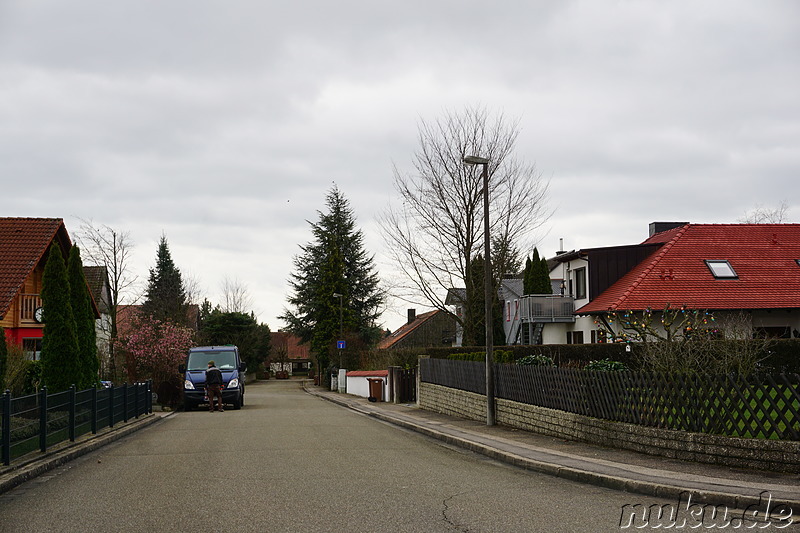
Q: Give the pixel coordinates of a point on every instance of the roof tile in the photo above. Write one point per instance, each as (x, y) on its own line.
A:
(765, 257)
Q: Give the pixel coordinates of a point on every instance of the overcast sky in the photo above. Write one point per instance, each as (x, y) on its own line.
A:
(222, 124)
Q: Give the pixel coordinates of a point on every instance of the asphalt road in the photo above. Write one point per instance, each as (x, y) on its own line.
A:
(288, 461)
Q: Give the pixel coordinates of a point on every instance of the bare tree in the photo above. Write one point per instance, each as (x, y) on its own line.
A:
(192, 288)
(437, 230)
(110, 248)
(235, 296)
(683, 340)
(767, 215)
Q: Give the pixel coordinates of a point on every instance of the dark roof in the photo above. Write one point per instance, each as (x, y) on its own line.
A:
(97, 279)
(23, 244)
(764, 257)
(406, 329)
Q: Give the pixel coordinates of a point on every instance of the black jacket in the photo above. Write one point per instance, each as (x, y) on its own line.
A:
(213, 376)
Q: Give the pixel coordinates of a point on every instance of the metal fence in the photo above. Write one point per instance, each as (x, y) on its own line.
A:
(38, 421)
(756, 406)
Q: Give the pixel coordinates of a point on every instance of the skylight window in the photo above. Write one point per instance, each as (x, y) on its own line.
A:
(721, 269)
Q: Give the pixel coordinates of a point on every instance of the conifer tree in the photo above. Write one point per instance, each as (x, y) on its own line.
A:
(84, 320)
(166, 294)
(536, 277)
(543, 285)
(60, 354)
(475, 313)
(335, 262)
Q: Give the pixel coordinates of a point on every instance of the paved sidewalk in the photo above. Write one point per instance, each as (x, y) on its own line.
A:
(37, 464)
(607, 467)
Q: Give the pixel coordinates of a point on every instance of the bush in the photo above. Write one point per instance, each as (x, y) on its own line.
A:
(606, 365)
(536, 360)
(784, 354)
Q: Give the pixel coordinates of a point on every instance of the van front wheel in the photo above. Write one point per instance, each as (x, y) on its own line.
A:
(237, 404)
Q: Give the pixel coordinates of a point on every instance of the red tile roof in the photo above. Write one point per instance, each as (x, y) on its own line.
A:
(295, 350)
(764, 257)
(23, 243)
(368, 373)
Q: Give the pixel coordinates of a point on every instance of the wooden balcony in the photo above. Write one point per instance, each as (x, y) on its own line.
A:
(27, 305)
(547, 308)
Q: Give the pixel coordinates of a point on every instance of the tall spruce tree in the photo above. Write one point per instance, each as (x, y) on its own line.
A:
(335, 262)
(60, 353)
(166, 295)
(84, 320)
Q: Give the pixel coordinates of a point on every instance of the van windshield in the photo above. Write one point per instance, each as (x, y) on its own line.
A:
(224, 360)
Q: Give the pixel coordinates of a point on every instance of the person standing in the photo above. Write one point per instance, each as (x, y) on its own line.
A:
(214, 386)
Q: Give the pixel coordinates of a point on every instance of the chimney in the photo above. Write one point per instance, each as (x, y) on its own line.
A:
(658, 227)
(412, 315)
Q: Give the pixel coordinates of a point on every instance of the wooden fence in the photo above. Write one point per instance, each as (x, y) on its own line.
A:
(757, 406)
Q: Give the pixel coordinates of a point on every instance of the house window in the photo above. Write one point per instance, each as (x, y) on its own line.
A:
(772, 332)
(721, 269)
(574, 337)
(32, 349)
(580, 283)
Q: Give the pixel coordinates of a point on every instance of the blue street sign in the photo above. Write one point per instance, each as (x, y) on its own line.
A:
(341, 345)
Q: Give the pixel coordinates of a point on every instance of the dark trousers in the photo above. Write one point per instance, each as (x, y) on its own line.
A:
(214, 391)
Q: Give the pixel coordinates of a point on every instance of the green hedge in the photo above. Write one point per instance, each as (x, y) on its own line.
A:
(784, 354)
(563, 355)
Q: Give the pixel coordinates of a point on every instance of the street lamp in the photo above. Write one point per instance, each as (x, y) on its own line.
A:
(487, 288)
(341, 327)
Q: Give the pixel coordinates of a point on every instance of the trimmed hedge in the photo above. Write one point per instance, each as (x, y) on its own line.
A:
(784, 354)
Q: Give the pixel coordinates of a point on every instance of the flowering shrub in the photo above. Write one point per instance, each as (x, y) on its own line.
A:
(536, 360)
(606, 365)
(154, 349)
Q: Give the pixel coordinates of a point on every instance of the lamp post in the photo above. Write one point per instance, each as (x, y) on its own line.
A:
(487, 288)
(341, 328)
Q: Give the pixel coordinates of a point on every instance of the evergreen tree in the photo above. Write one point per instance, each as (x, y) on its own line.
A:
(3, 359)
(60, 353)
(84, 320)
(536, 277)
(166, 295)
(543, 278)
(241, 329)
(475, 313)
(335, 262)
(528, 283)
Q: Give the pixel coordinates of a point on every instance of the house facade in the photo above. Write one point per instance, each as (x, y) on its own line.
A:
(24, 246)
(288, 353)
(748, 272)
(97, 280)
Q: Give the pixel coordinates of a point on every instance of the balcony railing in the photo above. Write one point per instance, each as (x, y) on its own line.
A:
(28, 304)
(547, 308)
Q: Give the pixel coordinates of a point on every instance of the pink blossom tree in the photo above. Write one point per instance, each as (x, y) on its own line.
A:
(154, 349)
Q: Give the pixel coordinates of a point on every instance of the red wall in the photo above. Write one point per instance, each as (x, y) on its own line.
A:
(15, 335)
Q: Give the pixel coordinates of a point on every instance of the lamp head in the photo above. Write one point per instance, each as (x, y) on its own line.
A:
(475, 160)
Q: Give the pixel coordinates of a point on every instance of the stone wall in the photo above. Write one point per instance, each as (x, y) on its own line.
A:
(771, 455)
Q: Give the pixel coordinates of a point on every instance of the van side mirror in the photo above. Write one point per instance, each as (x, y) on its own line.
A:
(182, 369)
(242, 367)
